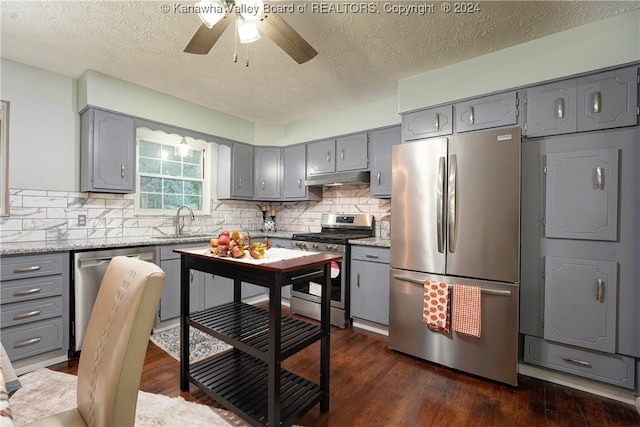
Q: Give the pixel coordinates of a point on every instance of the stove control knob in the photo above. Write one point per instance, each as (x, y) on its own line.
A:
(315, 246)
(332, 247)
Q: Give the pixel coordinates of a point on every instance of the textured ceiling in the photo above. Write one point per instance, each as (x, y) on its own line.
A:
(361, 56)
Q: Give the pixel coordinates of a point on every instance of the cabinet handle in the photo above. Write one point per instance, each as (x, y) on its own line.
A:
(190, 276)
(379, 176)
(122, 173)
(560, 110)
(27, 292)
(21, 316)
(239, 182)
(26, 343)
(438, 121)
(576, 361)
(358, 280)
(27, 269)
(299, 183)
(600, 292)
(599, 178)
(471, 115)
(372, 256)
(263, 184)
(342, 154)
(597, 101)
(328, 156)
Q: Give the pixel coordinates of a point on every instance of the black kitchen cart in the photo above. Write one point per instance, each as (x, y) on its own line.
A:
(248, 379)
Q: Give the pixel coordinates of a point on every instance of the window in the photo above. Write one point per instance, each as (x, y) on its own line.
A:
(166, 179)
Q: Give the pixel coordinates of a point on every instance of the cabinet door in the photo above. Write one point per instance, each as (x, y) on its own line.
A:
(381, 142)
(428, 123)
(370, 291)
(295, 172)
(217, 290)
(580, 302)
(242, 171)
(487, 112)
(608, 100)
(170, 299)
(352, 152)
(552, 109)
(109, 144)
(321, 157)
(582, 195)
(268, 173)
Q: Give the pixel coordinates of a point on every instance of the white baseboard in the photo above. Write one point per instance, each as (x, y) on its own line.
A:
(32, 366)
(592, 387)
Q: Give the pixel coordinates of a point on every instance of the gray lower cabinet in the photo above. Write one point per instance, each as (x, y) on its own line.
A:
(427, 123)
(370, 283)
(107, 154)
(487, 112)
(35, 305)
(380, 143)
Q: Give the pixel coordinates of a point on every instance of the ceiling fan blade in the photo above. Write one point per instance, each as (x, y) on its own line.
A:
(205, 37)
(286, 38)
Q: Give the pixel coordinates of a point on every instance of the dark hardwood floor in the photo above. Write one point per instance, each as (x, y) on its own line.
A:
(374, 386)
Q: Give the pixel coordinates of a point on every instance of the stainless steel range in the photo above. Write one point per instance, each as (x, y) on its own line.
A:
(336, 231)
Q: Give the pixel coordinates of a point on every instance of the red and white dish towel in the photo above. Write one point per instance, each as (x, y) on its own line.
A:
(467, 312)
(436, 312)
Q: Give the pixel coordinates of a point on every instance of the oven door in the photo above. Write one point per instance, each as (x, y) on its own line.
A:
(312, 291)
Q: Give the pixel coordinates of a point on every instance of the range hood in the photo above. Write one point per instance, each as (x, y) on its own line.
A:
(338, 178)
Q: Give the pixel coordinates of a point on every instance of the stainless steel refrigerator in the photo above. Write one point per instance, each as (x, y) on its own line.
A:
(455, 204)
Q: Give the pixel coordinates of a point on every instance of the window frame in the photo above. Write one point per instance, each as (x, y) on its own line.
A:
(164, 138)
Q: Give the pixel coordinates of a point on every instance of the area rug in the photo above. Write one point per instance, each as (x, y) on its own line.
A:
(201, 345)
(45, 392)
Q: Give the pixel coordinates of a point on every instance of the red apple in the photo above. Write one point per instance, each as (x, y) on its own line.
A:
(224, 239)
(237, 252)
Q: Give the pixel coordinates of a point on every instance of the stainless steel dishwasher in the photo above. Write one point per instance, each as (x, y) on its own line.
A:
(88, 270)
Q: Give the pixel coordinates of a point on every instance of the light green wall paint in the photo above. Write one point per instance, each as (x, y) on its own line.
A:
(601, 44)
(44, 147)
(124, 97)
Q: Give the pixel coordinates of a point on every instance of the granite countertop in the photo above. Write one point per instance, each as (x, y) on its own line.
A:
(15, 248)
(372, 241)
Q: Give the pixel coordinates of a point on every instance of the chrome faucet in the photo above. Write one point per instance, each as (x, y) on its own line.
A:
(180, 221)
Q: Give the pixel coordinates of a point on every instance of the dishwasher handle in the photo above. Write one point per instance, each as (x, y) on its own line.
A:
(93, 262)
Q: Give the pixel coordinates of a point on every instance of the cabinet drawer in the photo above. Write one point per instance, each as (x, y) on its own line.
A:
(613, 369)
(31, 266)
(30, 311)
(29, 289)
(369, 253)
(33, 338)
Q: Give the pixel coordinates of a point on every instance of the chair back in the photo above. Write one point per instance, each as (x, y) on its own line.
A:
(116, 340)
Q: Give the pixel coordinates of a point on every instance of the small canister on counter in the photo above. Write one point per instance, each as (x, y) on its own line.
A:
(385, 227)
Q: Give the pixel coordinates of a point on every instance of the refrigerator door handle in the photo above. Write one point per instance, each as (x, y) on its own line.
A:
(440, 204)
(453, 199)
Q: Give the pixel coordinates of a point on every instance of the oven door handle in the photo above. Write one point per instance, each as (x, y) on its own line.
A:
(307, 275)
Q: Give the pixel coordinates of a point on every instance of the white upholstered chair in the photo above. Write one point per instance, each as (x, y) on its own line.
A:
(114, 347)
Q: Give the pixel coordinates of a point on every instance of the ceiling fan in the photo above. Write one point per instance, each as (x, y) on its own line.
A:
(251, 20)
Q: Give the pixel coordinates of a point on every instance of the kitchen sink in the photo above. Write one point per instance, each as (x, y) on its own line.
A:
(182, 236)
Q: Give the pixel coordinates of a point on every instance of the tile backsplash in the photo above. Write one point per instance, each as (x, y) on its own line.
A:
(37, 215)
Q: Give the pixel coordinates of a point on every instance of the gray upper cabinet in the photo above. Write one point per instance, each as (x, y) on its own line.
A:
(608, 99)
(268, 173)
(352, 152)
(321, 157)
(580, 302)
(582, 195)
(487, 112)
(381, 142)
(235, 171)
(295, 173)
(427, 123)
(552, 109)
(107, 152)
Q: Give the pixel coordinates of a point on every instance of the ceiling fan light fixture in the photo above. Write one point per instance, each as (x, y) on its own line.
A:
(250, 10)
(247, 31)
(210, 12)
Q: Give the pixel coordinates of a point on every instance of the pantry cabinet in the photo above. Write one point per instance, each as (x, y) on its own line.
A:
(381, 142)
(370, 283)
(107, 153)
